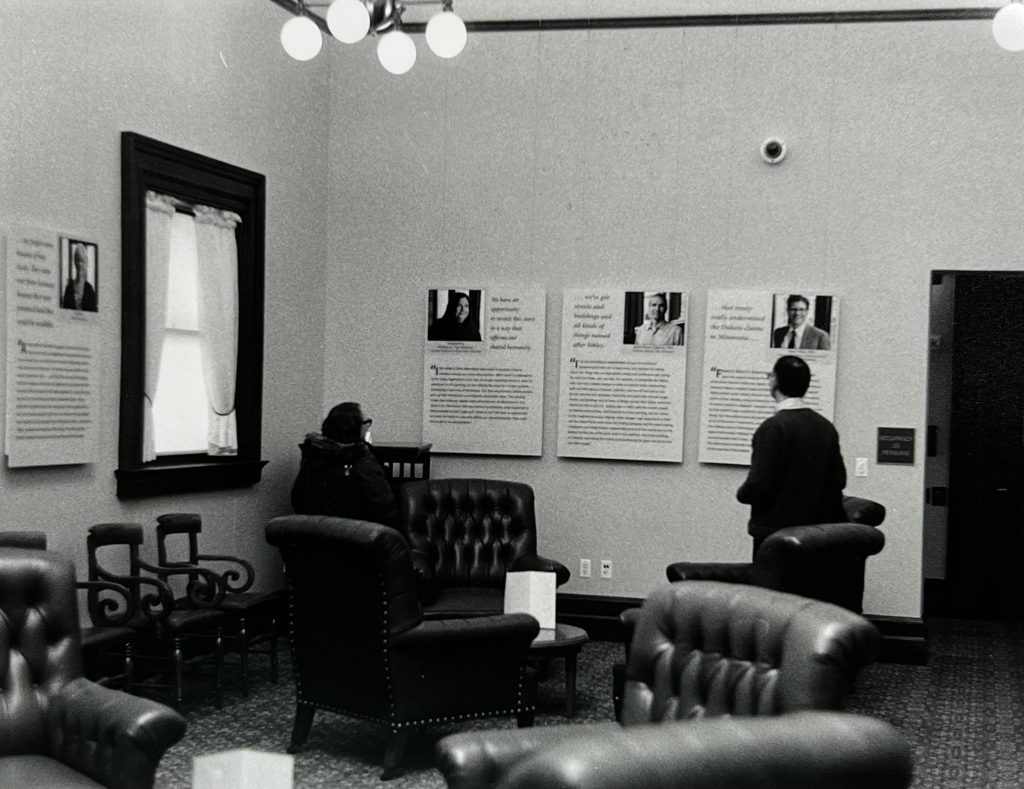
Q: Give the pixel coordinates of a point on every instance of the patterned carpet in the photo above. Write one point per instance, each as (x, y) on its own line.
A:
(963, 713)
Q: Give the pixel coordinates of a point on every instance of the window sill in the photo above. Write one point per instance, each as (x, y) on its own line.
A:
(159, 480)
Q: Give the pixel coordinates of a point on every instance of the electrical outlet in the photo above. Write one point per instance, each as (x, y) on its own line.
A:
(584, 568)
(860, 468)
(606, 568)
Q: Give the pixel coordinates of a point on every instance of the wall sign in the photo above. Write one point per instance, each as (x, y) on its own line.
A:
(896, 445)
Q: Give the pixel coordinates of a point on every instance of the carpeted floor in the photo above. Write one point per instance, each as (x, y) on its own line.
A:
(962, 713)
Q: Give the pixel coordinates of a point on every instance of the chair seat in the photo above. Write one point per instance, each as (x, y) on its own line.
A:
(456, 602)
(247, 601)
(183, 619)
(29, 770)
(96, 636)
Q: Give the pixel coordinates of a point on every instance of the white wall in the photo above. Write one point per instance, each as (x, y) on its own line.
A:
(212, 78)
(624, 158)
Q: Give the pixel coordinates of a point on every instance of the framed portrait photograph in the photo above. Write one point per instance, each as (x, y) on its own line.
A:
(654, 317)
(803, 322)
(453, 315)
(79, 275)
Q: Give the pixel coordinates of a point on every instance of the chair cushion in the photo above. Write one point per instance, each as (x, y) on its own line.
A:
(94, 636)
(463, 601)
(27, 771)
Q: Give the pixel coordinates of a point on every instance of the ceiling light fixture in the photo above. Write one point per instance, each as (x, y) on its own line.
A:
(1008, 27)
(350, 21)
(300, 36)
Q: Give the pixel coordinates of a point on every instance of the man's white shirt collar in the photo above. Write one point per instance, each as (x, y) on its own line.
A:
(789, 404)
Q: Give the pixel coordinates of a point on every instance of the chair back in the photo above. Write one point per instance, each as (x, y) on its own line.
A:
(472, 529)
(707, 648)
(40, 643)
(351, 587)
(148, 597)
(822, 561)
(185, 523)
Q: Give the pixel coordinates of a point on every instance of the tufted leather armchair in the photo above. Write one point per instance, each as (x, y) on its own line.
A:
(701, 650)
(56, 727)
(799, 750)
(821, 561)
(361, 647)
(465, 534)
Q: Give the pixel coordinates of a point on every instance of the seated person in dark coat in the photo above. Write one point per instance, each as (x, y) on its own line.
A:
(339, 475)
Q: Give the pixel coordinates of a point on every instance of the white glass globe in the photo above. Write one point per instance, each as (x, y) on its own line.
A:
(1008, 27)
(446, 34)
(301, 38)
(348, 20)
(396, 52)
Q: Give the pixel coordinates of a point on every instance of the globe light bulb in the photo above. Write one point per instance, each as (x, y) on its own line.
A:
(301, 38)
(396, 52)
(1008, 27)
(446, 34)
(348, 20)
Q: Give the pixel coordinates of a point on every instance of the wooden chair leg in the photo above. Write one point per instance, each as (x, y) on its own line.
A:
(129, 667)
(243, 655)
(218, 663)
(303, 723)
(393, 754)
(179, 671)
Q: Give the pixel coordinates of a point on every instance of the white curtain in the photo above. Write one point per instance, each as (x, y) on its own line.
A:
(218, 322)
(159, 213)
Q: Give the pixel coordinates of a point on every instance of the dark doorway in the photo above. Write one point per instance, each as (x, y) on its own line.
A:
(985, 560)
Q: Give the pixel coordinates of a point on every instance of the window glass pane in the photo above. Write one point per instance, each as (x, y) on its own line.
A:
(182, 275)
(180, 412)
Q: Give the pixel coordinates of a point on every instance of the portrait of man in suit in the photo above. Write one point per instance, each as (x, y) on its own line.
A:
(799, 333)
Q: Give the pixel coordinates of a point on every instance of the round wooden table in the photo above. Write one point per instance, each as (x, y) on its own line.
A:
(564, 641)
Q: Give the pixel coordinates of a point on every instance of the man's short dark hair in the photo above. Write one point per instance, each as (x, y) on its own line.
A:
(794, 298)
(343, 423)
(792, 376)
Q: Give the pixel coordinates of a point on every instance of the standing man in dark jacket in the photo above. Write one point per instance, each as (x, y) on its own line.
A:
(339, 475)
(796, 472)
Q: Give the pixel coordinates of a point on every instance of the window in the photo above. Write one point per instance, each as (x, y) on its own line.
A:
(192, 321)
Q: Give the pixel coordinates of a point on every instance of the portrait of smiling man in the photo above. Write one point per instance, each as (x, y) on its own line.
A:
(798, 333)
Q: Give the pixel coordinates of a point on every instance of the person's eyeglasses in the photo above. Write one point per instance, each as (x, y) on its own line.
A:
(367, 422)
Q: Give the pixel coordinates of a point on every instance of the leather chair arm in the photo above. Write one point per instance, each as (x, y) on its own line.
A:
(479, 759)
(822, 539)
(709, 571)
(114, 737)
(541, 564)
(514, 631)
(859, 510)
(799, 751)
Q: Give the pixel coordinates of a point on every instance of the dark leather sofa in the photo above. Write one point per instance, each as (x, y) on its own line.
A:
(58, 729)
(465, 535)
(704, 651)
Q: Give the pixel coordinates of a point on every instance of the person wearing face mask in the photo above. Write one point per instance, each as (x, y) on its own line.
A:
(339, 474)
(655, 330)
(797, 474)
(798, 333)
(457, 322)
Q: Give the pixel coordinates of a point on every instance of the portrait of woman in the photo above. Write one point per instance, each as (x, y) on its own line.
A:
(459, 320)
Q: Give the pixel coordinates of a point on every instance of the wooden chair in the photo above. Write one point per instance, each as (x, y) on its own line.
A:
(253, 616)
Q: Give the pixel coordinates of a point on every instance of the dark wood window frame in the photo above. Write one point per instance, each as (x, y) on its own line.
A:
(147, 164)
